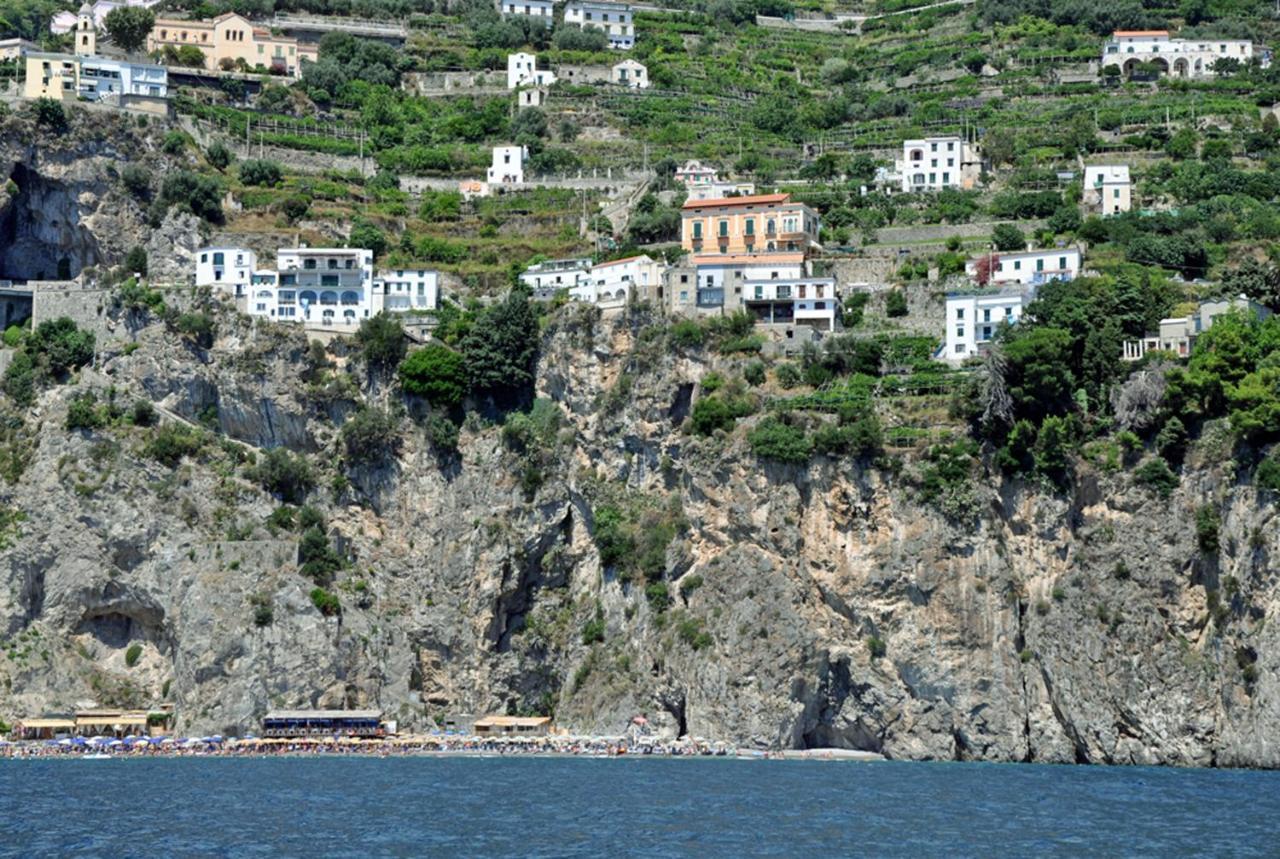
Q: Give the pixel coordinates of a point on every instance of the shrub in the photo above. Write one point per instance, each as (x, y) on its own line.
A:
(688, 334)
(876, 647)
(132, 655)
(263, 613)
(593, 630)
(19, 380)
(174, 143)
(286, 475)
(295, 207)
(200, 195)
(1207, 525)
(316, 558)
(326, 603)
(754, 373)
(788, 375)
(659, 597)
(436, 373)
(1156, 476)
(136, 180)
(689, 584)
(612, 540)
(83, 413)
(169, 444)
(13, 336)
(60, 346)
(443, 434)
(896, 304)
(198, 328)
(691, 633)
(1267, 475)
(369, 436)
(143, 413)
(261, 173)
(1007, 237)
(50, 114)
(218, 156)
(780, 441)
(717, 412)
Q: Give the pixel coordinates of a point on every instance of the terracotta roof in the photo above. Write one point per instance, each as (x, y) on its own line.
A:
(749, 259)
(737, 201)
(1140, 33)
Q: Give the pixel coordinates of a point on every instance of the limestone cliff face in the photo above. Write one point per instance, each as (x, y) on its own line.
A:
(1046, 629)
(63, 206)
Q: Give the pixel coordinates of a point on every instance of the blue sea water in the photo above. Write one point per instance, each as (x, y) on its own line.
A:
(555, 807)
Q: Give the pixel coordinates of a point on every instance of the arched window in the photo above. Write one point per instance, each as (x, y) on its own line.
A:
(328, 297)
(350, 297)
(307, 296)
(264, 293)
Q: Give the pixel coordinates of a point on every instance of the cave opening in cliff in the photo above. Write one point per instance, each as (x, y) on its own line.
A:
(41, 236)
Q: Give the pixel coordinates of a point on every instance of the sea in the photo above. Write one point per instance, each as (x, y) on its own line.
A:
(579, 807)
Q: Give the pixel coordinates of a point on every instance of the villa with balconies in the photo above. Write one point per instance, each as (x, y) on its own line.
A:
(766, 223)
(811, 301)
(1129, 51)
(330, 287)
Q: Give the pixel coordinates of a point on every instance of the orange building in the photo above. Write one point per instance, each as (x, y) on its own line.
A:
(766, 223)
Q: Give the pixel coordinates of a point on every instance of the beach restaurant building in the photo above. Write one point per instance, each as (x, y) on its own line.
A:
(323, 723)
(512, 726)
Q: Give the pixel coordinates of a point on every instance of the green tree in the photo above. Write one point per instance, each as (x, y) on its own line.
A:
(895, 304)
(381, 342)
(218, 156)
(1039, 375)
(286, 475)
(777, 440)
(129, 26)
(501, 349)
(260, 172)
(19, 380)
(60, 347)
(436, 373)
(1007, 237)
(369, 436)
(135, 261)
(368, 236)
(50, 114)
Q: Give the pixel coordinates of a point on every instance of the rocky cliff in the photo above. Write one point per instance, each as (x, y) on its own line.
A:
(825, 605)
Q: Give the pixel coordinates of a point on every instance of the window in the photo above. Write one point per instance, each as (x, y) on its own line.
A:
(1062, 263)
(960, 332)
(960, 348)
(204, 257)
(1040, 264)
(1017, 265)
(946, 178)
(986, 314)
(697, 229)
(933, 177)
(751, 226)
(724, 229)
(959, 313)
(933, 147)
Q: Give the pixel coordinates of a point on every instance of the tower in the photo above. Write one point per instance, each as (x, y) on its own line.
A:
(86, 32)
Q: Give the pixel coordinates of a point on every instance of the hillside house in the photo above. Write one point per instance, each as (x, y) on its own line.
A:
(616, 19)
(542, 11)
(231, 41)
(719, 280)
(522, 71)
(508, 166)
(531, 97)
(935, 163)
(702, 182)
(768, 223)
(557, 274)
(1127, 50)
(811, 301)
(66, 22)
(1178, 334)
(15, 49)
(974, 316)
(1032, 267)
(226, 269)
(403, 289)
(1107, 189)
(610, 284)
(631, 74)
(330, 287)
(64, 77)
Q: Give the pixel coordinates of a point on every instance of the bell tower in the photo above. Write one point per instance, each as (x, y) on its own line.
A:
(86, 33)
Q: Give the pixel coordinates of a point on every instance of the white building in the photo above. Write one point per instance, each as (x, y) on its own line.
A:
(631, 74)
(1107, 189)
(64, 77)
(719, 280)
(1178, 334)
(1179, 58)
(13, 49)
(406, 289)
(1027, 267)
(320, 286)
(934, 163)
(611, 284)
(65, 22)
(702, 182)
(522, 70)
(974, 316)
(226, 269)
(614, 18)
(531, 97)
(508, 165)
(557, 274)
(542, 11)
(812, 301)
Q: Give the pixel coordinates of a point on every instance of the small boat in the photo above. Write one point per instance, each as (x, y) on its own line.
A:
(96, 756)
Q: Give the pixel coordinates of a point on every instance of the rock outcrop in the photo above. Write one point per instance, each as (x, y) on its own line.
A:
(825, 605)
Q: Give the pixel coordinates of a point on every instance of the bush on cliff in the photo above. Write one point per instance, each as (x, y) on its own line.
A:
(58, 347)
(369, 436)
(780, 441)
(286, 475)
(436, 373)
